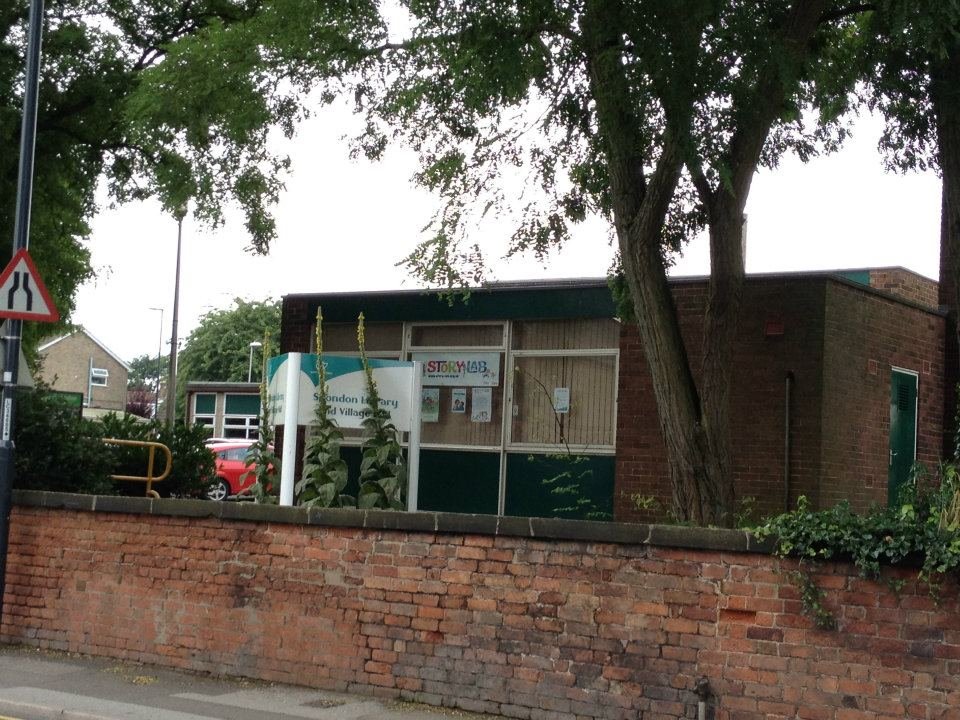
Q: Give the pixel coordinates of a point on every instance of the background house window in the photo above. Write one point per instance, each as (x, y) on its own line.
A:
(98, 376)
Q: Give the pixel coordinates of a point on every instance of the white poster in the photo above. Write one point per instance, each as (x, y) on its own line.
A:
(473, 369)
(458, 401)
(430, 404)
(561, 400)
(481, 410)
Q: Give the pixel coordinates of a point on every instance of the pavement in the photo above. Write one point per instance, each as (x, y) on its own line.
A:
(39, 685)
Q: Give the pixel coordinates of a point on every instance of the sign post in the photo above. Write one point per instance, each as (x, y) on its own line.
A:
(21, 240)
(291, 397)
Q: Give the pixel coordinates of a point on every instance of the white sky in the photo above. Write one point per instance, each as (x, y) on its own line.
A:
(344, 224)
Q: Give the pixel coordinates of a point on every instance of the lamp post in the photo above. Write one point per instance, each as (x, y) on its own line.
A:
(172, 376)
(254, 344)
(156, 398)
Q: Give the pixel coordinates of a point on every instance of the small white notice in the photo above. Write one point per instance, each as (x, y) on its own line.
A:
(481, 410)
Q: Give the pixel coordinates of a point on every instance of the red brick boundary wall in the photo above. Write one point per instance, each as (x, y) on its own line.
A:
(541, 619)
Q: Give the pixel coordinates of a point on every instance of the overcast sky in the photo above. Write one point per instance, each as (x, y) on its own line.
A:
(344, 224)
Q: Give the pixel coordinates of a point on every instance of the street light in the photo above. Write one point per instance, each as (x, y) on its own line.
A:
(172, 379)
(253, 345)
(156, 399)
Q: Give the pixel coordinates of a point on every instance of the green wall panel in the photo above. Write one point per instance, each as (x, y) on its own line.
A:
(206, 403)
(533, 482)
(242, 405)
(450, 481)
(456, 481)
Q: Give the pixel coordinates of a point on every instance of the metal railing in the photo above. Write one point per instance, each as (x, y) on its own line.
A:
(149, 478)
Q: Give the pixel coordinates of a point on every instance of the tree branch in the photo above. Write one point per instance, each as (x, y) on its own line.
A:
(843, 12)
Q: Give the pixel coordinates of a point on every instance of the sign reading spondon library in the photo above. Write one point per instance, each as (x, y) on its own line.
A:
(346, 389)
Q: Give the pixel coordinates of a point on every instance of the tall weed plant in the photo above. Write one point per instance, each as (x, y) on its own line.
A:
(324, 475)
(383, 471)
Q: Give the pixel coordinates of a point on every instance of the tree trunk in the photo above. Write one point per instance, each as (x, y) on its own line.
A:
(695, 426)
(640, 207)
(945, 97)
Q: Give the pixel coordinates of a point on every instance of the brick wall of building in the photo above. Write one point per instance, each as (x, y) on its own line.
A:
(837, 341)
(780, 333)
(907, 285)
(295, 323)
(606, 623)
(866, 336)
(66, 367)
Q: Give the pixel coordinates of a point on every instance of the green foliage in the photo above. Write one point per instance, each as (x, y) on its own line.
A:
(56, 449)
(925, 525)
(144, 370)
(261, 458)
(109, 109)
(193, 463)
(324, 471)
(383, 472)
(218, 349)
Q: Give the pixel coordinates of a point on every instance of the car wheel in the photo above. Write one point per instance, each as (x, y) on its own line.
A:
(218, 490)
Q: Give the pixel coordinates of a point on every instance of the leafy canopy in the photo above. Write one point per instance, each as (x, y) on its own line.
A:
(107, 118)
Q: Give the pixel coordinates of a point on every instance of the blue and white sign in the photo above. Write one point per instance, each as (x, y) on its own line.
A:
(346, 389)
(292, 381)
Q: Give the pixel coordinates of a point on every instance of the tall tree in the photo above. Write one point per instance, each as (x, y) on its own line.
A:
(100, 119)
(219, 350)
(913, 65)
(146, 370)
(913, 68)
(655, 115)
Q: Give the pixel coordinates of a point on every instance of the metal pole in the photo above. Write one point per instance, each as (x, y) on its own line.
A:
(156, 398)
(253, 345)
(21, 240)
(172, 377)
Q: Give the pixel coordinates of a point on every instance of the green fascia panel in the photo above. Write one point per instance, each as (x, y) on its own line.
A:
(574, 487)
(861, 277)
(242, 405)
(520, 304)
(205, 403)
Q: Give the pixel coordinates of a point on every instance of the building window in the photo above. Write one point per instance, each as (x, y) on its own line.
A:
(467, 410)
(204, 410)
(564, 385)
(243, 427)
(98, 376)
(241, 418)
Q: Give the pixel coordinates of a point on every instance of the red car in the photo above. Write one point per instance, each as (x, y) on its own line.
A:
(231, 468)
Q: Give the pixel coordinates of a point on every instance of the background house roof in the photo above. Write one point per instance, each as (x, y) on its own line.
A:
(108, 351)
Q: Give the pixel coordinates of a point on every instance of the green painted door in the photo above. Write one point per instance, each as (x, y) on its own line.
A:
(903, 431)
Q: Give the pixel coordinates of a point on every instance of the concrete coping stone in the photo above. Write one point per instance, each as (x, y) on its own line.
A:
(676, 536)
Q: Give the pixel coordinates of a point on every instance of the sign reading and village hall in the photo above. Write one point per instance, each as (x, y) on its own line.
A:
(459, 369)
(346, 389)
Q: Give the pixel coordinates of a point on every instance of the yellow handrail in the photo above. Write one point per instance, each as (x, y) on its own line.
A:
(149, 479)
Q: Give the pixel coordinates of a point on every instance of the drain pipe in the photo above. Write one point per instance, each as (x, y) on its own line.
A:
(702, 689)
(788, 391)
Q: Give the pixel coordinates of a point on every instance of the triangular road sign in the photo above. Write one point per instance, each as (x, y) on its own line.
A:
(23, 296)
